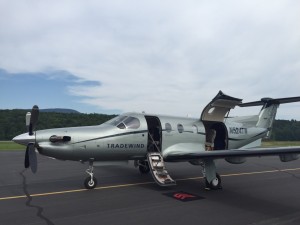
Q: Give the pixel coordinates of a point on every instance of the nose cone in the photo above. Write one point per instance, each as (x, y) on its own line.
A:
(24, 139)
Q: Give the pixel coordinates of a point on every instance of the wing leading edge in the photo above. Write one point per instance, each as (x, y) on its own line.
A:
(219, 154)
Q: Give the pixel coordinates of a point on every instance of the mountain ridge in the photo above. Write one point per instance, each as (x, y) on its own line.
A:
(59, 110)
(55, 110)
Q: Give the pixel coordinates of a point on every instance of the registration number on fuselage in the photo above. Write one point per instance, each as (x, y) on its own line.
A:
(238, 130)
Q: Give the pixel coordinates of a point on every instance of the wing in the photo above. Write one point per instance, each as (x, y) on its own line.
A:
(189, 151)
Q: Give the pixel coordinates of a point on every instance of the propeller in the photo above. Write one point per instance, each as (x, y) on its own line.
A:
(30, 158)
(34, 116)
(30, 154)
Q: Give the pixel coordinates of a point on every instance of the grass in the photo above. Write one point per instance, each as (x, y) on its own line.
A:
(9, 145)
(280, 143)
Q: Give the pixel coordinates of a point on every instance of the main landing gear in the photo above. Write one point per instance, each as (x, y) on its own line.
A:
(143, 166)
(215, 184)
(212, 178)
(90, 182)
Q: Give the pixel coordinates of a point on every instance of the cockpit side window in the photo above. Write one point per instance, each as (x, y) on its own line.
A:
(117, 120)
(132, 123)
(123, 122)
(121, 126)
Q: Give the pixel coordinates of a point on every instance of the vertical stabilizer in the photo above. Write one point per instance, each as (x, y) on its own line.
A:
(268, 112)
(267, 116)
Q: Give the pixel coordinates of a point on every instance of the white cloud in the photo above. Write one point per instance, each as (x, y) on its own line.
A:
(165, 57)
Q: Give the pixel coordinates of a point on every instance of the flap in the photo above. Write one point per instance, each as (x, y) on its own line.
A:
(219, 107)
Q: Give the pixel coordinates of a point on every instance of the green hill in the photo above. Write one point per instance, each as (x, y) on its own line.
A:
(12, 123)
(285, 130)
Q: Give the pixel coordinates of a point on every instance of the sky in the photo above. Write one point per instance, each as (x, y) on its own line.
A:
(164, 57)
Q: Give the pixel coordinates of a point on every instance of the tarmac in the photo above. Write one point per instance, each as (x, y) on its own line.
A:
(259, 192)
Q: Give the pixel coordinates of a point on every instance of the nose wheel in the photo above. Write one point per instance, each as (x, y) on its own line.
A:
(90, 182)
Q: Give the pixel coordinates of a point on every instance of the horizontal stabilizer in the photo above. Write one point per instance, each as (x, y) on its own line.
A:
(271, 101)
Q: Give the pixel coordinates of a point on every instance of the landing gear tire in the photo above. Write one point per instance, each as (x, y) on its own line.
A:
(90, 183)
(215, 184)
(144, 167)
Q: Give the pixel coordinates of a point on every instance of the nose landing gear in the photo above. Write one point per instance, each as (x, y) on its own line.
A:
(90, 182)
(143, 166)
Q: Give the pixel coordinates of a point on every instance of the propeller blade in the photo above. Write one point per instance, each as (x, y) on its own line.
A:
(26, 161)
(33, 119)
(27, 117)
(32, 157)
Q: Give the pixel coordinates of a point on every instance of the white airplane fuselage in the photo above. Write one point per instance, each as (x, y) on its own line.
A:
(151, 140)
(107, 142)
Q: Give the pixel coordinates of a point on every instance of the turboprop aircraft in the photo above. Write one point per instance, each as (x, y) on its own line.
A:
(151, 140)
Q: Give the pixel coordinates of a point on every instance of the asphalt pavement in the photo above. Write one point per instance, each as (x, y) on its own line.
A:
(259, 192)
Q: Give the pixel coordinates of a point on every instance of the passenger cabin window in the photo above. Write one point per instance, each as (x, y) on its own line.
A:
(180, 128)
(210, 111)
(123, 122)
(168, 127)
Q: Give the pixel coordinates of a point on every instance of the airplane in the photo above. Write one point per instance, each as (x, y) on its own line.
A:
(151, 140)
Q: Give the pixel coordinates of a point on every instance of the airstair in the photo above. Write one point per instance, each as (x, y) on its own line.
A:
(158, 169)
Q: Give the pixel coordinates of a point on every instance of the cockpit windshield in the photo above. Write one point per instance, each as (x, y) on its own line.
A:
(125, 122)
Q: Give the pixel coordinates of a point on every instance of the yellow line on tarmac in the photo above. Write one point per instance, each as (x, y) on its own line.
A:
(73, 191)
(43, 194)
(242, 174)
(138, 184)
(259, 172)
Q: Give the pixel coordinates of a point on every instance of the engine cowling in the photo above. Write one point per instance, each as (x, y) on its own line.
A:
(236, 160)
(288, 157)
(55, 138)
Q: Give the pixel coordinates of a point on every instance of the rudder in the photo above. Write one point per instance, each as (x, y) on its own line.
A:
(268, 112)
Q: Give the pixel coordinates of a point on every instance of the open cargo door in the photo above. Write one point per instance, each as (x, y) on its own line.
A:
(219, 107)
(213, 119)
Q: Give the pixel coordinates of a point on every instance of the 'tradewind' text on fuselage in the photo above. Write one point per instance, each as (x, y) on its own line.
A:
(126, 146)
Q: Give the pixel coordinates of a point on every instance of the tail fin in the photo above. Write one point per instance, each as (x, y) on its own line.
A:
(269, 109)
(267, 116)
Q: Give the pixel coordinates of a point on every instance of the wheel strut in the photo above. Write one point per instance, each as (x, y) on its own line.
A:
(212, 178)
(143, 166)
(90, 182)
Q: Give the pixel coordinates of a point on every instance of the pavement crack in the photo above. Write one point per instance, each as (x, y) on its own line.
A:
(280, 170)
(40, 209)
(293, 175)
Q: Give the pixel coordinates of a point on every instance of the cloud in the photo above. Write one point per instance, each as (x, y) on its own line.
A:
(47, 89)
(168, 57)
